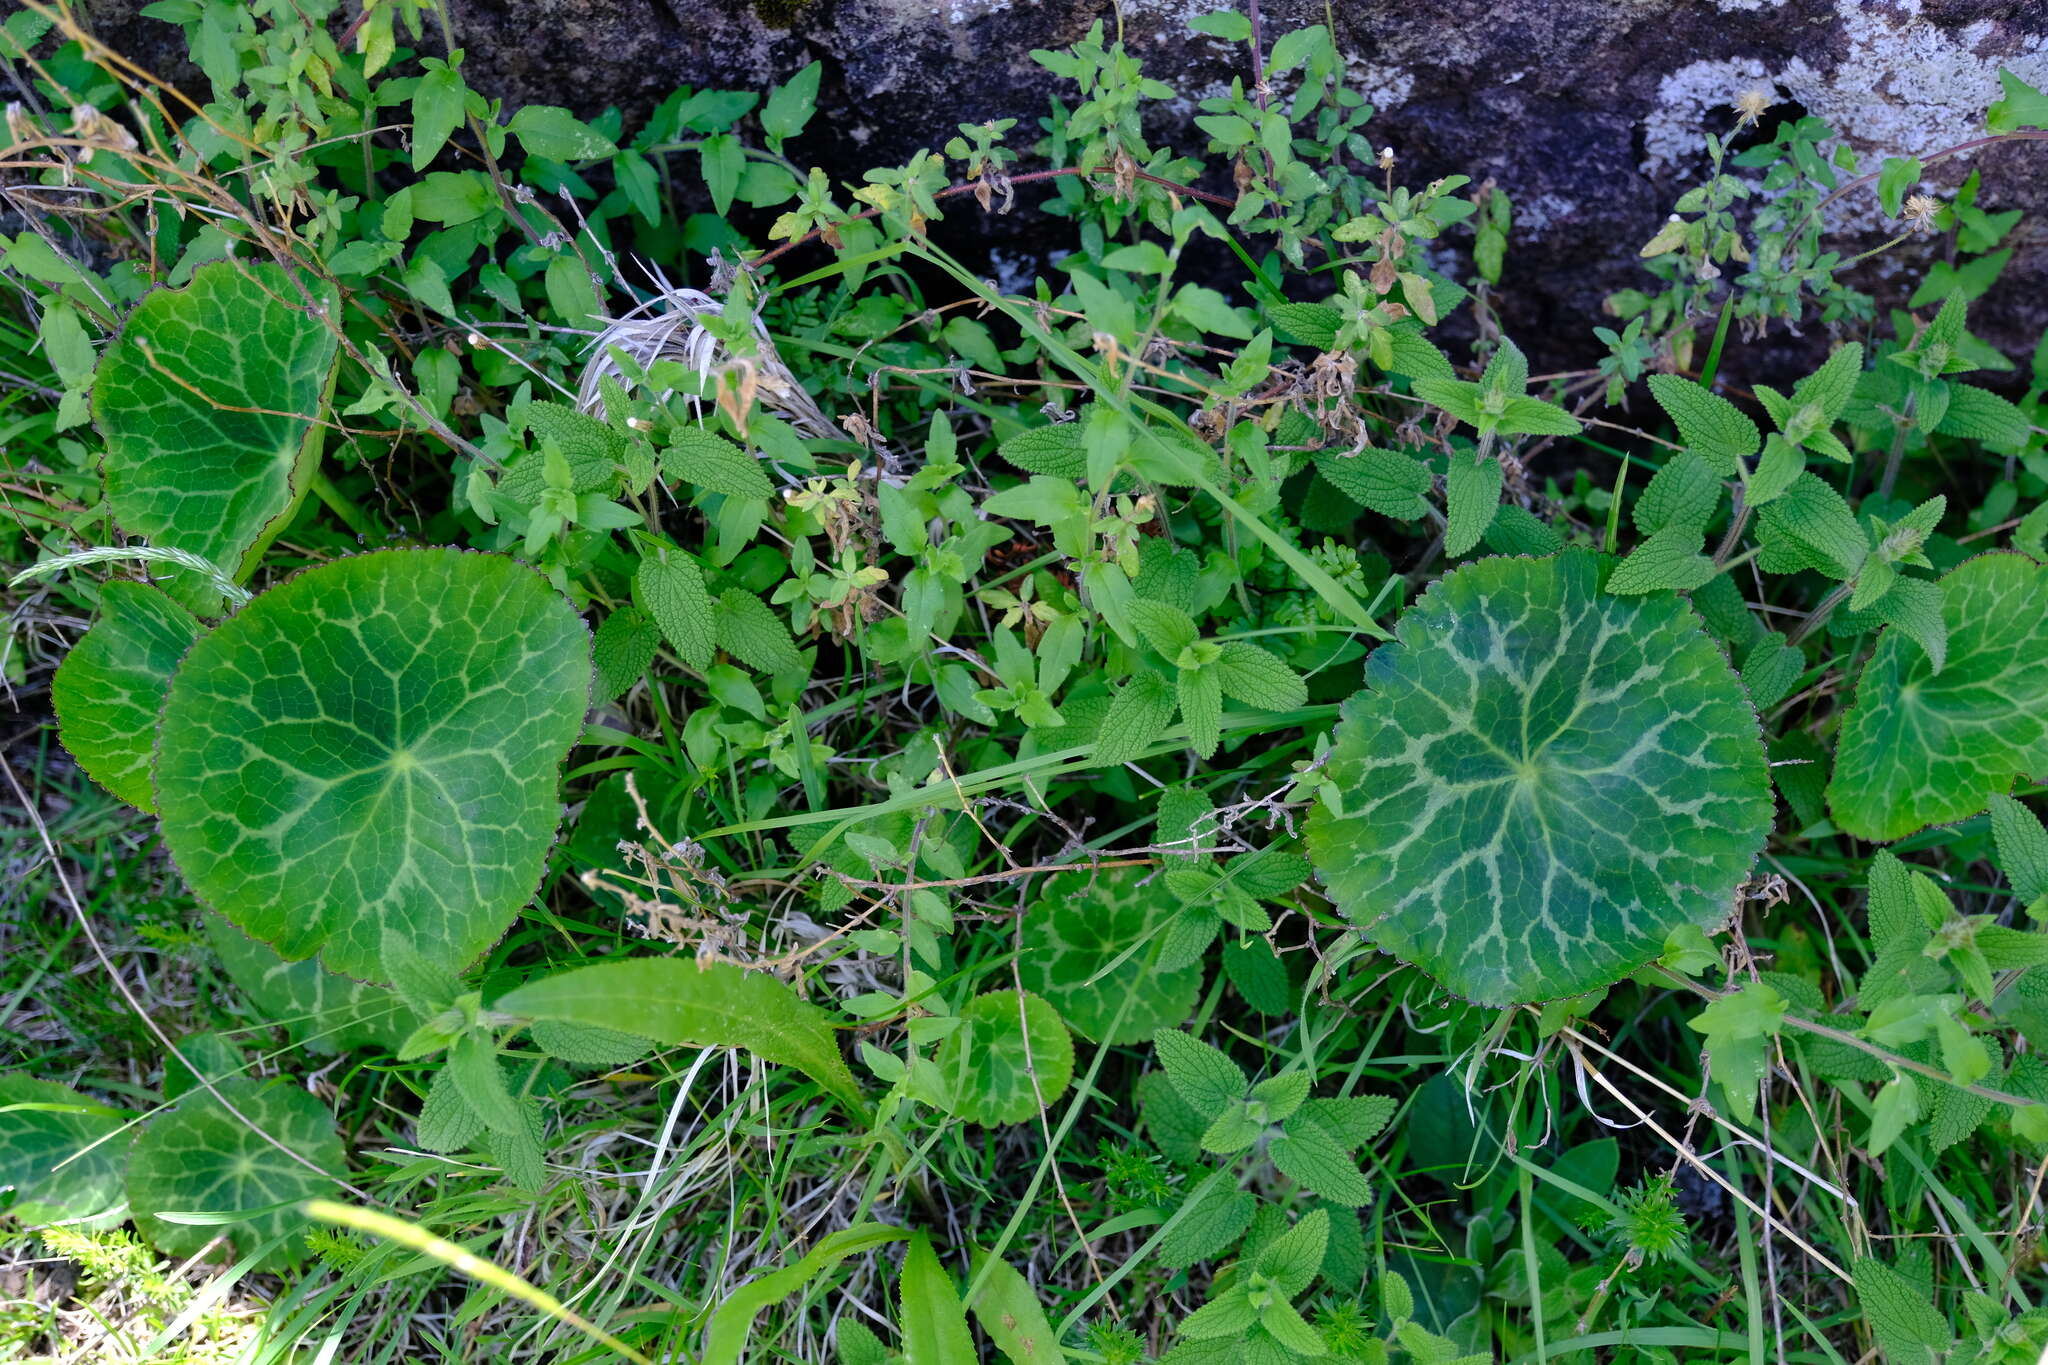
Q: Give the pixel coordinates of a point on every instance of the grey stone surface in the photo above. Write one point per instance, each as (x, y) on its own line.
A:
(1589, 112)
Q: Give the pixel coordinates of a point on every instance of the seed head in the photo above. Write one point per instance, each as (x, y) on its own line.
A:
(1750, 106)
(1920, 210)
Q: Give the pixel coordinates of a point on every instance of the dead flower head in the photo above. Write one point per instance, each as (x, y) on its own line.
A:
(1749, 106)
(1920, 211)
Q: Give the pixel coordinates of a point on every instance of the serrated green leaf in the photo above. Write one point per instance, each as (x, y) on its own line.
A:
(1909, 1328)
(1669, 560)
(1234, 1130)
(670, 586)
(375, 743)
(715, 464)
(1311, 324)
(1472, 496)
(750, 630)
(1521, 416)
(2022, 849)
(1168, 629)
(1255, 677)
(208, 401)
(447, 1122)
(1387, 481)
(623, 647)
(520, 1151)
(1830, 387)
(1086, 946)
(1811, 527)
(1176, 1128)
(1711, 427)
(1470, 824)
(1914, 605)
(1920, 747)
(478, 1076)
(110, 687)
(587, 1044)
(1292, 1259)
(1289, 1330)
(1353, 1120)
(1254, 968)
(1515, 530)
(1307, 1153)
(1137, 716)
(1208, 1080)
(1201, 706)
(1207, 1226)
(1770, 670)
(1685, 492)
(1980, 415)
(681, 1003)
(1054, 451)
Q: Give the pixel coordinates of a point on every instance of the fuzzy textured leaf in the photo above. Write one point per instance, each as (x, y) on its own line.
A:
(1711, 427)
(1387, 481)
(671, 587)
(750, 631)
(1472, 493)
(714, 463)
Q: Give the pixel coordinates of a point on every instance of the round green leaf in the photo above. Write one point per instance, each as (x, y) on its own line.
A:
(59, 1152)
(1540, 782)
(1005, 1039)
(1087, 948)
(207, 400)
(374, 745)
(109, 688)
(1921, 747)
(200, 1159)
